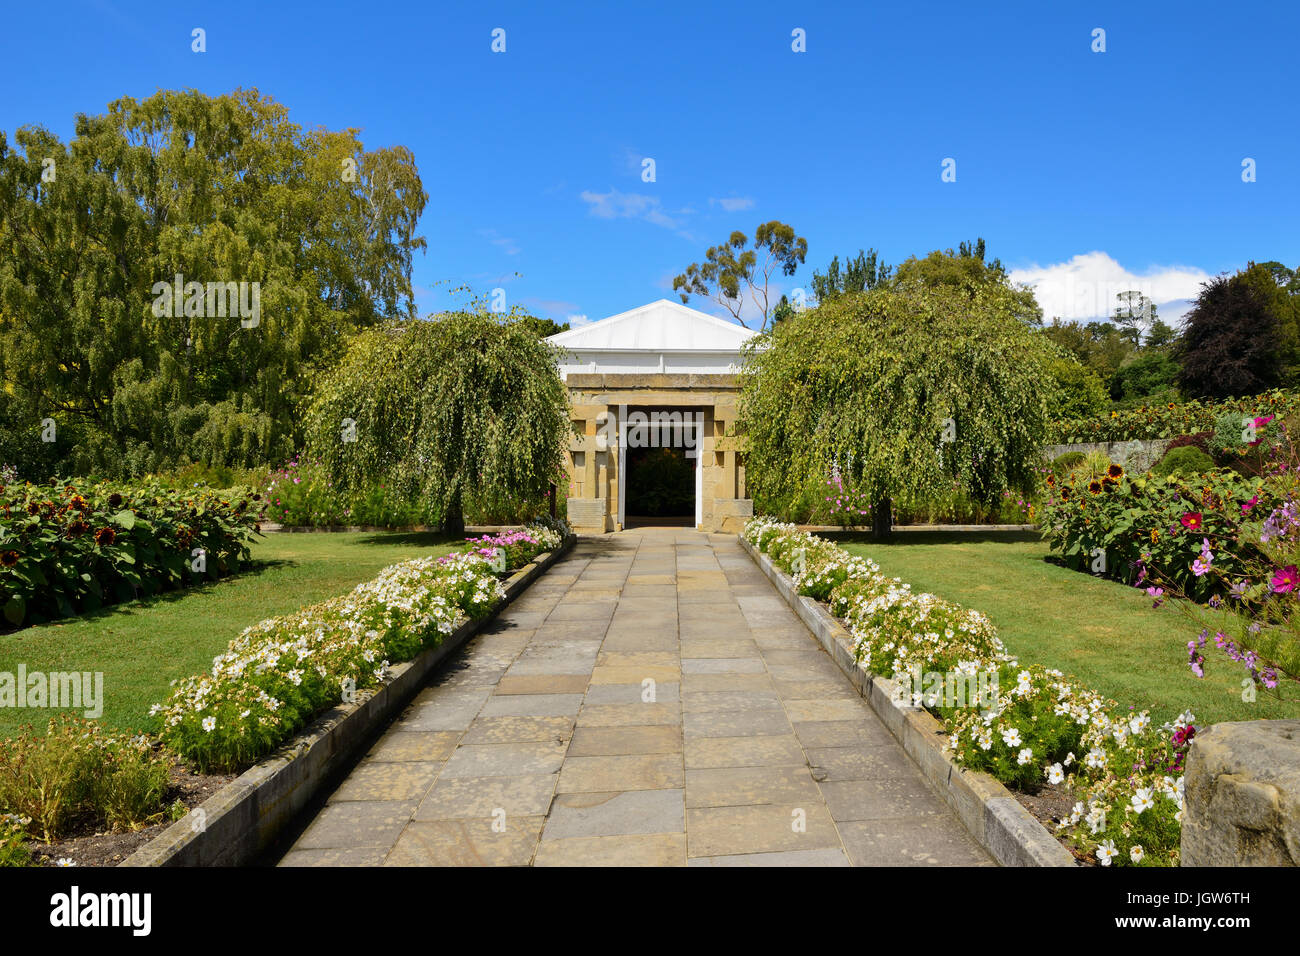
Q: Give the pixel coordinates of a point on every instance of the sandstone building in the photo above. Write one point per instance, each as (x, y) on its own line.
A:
(660, 380)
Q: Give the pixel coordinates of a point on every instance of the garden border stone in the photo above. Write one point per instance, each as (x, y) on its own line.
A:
(988, 810)
(245, 817)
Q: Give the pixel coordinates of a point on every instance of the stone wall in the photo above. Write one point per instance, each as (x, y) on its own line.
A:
(1136, 454)
(1242, 793)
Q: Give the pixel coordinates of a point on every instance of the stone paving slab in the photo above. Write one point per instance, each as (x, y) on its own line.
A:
(649, 701)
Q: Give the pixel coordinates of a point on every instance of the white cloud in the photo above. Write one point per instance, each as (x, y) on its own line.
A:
(508, 246)
(577, 320)
(549, 306)
(733, 203)
(1085, 287)
(620, 205)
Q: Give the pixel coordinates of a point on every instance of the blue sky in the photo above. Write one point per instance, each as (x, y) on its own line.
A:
(1085, 172)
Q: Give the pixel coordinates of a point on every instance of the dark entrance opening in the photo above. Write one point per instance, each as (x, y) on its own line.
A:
(660, 477)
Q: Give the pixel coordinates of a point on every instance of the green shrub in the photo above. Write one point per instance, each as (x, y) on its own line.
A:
(67, 549)
(1167, 418)
(13, 840)
(1187, 460)
(75, 772)
(1199, 440)
(1154, 524)
(1064, 464)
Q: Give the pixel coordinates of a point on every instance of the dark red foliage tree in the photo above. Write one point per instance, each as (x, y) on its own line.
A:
(1230, 342)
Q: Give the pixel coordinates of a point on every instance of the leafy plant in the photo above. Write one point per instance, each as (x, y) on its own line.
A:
(1141, 525)
(1187, 460)
(1167, 420)
(68, 548)
(76, 771)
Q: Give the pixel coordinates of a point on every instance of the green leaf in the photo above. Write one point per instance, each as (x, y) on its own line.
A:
(13, 610)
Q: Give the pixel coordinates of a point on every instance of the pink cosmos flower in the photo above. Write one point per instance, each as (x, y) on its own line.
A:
(1192, 520)
(1285, 579)
(1260, 423)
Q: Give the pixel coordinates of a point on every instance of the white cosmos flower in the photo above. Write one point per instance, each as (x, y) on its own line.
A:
(209, 724)
(1024, 756)
(1055, 774)
(1136, 853)
(1106, 852)
(1142, 800)
(1011, 737)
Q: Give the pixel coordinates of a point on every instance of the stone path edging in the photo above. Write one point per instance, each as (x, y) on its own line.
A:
(246, 816)
(993, 816)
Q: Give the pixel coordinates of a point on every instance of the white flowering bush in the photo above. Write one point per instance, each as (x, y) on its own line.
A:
(1041, 728)
(280, 673)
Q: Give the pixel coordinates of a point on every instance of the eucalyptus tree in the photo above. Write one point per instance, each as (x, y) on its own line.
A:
(733, 268)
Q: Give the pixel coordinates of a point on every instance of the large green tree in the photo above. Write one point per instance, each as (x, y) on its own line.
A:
(463, 410)
(1279, 287)
(967, 270)
(221, 190)
(865, 271)
(908, 389)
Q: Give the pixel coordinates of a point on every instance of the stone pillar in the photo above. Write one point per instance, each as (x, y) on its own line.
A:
(1242, 795)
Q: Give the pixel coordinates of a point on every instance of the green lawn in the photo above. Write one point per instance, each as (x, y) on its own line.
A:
(141, 647)
(1105, 634)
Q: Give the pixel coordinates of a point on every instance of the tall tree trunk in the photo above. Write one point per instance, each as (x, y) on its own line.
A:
(882, 519)
(453, 520)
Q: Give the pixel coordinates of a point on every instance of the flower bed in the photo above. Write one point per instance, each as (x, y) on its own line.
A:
(1034, 726)
(1132, 528)
(1167, 421)
(279, 674)
(74, 776)
(66, 549)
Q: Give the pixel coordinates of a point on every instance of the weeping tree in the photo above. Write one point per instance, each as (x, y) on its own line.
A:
(906, 391)
(459, 409)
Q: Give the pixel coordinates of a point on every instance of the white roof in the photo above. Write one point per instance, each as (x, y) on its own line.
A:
(661, 326)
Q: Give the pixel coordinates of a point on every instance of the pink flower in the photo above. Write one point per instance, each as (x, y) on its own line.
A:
(1192, 520)
(1285, 579)
(1250, 504)
(1260, 423)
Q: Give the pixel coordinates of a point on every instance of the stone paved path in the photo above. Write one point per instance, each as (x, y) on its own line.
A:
(651, 700)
